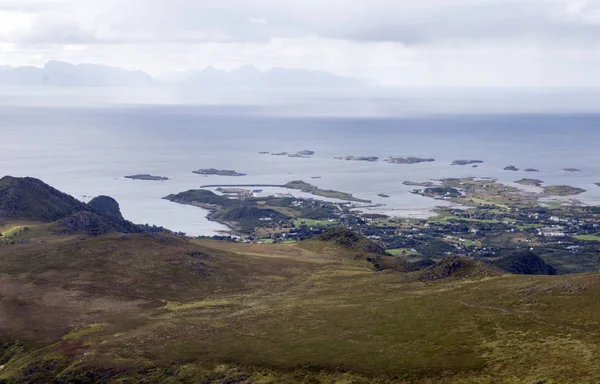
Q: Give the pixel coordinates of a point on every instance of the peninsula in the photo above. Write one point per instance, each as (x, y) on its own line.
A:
(408, 160)
(146, 177)
(218, 172)
(562, 190)
(530, 182)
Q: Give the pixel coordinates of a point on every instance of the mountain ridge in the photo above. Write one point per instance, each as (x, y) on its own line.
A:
(57, 73)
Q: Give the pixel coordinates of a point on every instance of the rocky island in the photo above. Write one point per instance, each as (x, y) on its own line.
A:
(408, 160)
(531, 170)
(419, 184)
(147, 177)
(530, 182)
(305, 152)
(511, 168)
(218, 172)
(562, 190)
(598, 184)
(466, 162)
(383, 195)
(264, 153)
(357, 158)
(279, 153)
(571, 170)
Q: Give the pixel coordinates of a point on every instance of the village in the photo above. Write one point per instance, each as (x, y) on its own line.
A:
(489, 220)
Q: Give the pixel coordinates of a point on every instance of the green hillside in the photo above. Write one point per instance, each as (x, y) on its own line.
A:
(158, 308)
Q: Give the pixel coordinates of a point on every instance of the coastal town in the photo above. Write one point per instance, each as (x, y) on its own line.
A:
(486, 220)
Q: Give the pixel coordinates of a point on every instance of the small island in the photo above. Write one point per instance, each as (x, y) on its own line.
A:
(305, 152)
(357, 158)
(264, 153)
(530, 182)
(562, 190)
(408, 160)
(279, 154)
(383, 195)
(571, 170)
(466, 162)
(531, 170)
(418, 184)
(218, 172)
(147, 177)
(511, 168)
(598, 184)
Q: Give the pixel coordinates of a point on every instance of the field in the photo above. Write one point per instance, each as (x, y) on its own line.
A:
(314, 223)
(125, 307)
(588, 237)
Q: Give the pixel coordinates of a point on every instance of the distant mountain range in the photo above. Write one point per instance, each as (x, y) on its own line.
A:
(250, 77)
(62, 74)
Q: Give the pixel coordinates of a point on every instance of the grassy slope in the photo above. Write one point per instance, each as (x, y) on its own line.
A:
(132, 306)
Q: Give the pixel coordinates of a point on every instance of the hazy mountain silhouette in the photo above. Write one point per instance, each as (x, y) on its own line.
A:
(59, 73)
(249, 77)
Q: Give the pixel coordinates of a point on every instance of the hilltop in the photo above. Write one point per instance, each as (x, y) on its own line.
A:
(31, 200)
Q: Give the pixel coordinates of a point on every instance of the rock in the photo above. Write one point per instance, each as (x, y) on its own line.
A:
(531, 170)
(466, 162)
(147, 177)
(562, 190)
(571, 170)
(106, 206)
(408, 160)
(358, 158)
(511, 168)
(218, 172)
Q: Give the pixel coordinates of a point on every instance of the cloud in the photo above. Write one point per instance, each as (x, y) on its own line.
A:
(258, 21)
(408, 42)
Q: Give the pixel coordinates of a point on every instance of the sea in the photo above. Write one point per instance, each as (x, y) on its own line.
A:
(87, 149)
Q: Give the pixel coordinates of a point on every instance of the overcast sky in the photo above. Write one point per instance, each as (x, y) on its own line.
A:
(397, 42)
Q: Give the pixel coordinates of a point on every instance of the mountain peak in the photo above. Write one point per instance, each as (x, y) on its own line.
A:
(247, 69)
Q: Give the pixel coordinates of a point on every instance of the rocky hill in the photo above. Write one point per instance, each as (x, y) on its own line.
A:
(524, 263)
(31, 199)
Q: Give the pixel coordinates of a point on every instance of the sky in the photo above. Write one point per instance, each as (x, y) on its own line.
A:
(482, 43)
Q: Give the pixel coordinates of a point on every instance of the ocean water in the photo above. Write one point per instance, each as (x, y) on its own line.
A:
(86, 151)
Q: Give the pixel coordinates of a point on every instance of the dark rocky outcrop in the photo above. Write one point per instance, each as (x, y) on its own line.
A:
(524, 263)
(106, 206)
(31, 199)
(458, 267)
(346, 238)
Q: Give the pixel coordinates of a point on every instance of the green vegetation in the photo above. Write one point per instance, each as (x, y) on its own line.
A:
(525, 263)
(588, 237)
(31, 199)
(157, 308)
(314, 223)
(562, 190)
(309, 188)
